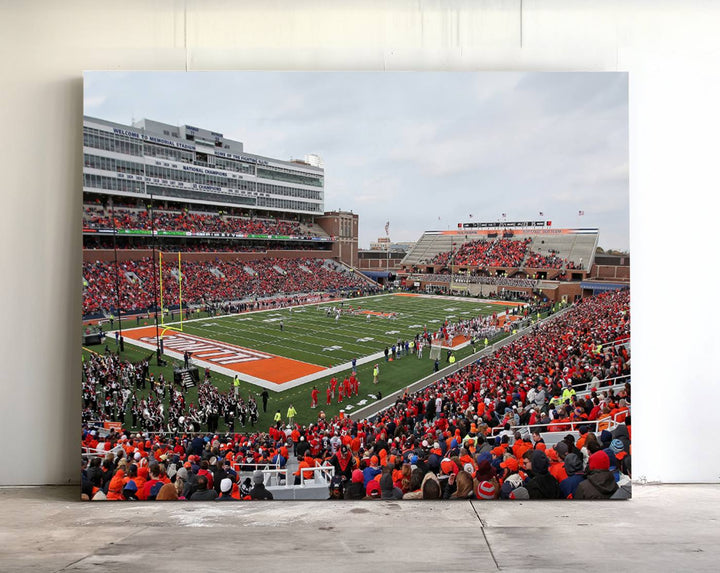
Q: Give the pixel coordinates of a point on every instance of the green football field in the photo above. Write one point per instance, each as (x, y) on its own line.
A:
(310, 335)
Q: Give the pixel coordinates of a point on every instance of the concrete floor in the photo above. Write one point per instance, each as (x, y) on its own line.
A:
(664, 528)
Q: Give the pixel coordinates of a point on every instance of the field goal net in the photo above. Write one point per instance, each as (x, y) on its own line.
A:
(435, 352)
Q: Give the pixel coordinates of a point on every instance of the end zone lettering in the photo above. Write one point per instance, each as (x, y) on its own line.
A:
(210, 350)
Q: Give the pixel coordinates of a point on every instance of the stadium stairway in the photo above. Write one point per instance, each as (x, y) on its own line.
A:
(187, 380)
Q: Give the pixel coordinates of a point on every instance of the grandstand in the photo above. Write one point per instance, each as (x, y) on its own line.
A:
(509, 260)
(209, 260)
(576, 246)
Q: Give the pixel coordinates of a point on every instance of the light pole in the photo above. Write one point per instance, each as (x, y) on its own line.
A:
(117, 273)
(452, 265)
(155, 285)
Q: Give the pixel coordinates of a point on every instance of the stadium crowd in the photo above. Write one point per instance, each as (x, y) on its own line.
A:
(501, 253)
(552, 261)
(463, 437)
(482, 253)
(197, 245)
(206, 282)
(95, 217)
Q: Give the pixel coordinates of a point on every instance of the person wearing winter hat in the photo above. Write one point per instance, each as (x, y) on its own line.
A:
(557, 457)
(624, 460)
(203, 492)
(617, 446)
(371, 471)
(115, 489)
(373, 490)
(259, 492)
(519, 493)
(605, 438)
(486, 474)
(130, 490)
(574, 470)
(448, 467)
(387, 488)
(542, 485)
(485, 471)
(226, 490)
(486, 490)
(336, 488)
(511, 478)
(356, 489)
(343, 462)
(600, 482)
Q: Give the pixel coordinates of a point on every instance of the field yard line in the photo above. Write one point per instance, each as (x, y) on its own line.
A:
(351, 347)
(339, 331)
(166, 324)
(305, 379)
(348, 339)
(230, 329)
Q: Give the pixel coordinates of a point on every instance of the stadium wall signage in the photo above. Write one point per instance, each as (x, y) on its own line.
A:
(146, 232)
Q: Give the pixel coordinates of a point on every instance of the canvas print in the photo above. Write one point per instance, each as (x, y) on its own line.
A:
(355, 286)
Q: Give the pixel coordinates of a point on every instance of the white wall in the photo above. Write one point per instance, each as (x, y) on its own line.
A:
(671, 50)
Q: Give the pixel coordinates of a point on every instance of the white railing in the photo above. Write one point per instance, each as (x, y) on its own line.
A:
(96, 452)
(528, 429)
(321, 475)
(617, 383)
(239, 467)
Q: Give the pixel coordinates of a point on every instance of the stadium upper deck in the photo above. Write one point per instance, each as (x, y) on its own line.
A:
(196, 166)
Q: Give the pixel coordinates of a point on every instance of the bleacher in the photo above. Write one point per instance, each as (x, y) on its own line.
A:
(576, 247)
(429, 246)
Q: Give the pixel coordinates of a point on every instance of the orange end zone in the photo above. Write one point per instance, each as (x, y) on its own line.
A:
(275, 369)
(405, 294)
(457, 340)
(509, 319)
(279, 369)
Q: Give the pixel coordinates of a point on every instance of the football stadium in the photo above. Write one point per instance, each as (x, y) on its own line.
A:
(235, 346)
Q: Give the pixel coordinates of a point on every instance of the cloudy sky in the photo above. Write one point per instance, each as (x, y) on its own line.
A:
(422, 150)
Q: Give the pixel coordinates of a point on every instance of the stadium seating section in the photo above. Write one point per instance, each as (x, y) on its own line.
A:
(547, 251)
(208, 281)
(97, 217)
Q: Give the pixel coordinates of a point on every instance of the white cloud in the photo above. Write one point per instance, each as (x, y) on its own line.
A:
(414, 146)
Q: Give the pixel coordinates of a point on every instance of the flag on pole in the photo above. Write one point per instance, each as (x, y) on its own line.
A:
(581, 213)
(387, 228)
